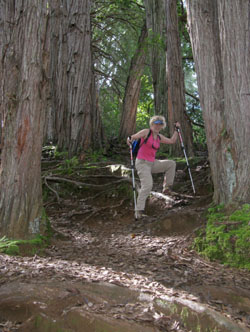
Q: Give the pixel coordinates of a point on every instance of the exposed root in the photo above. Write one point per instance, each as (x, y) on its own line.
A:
(53, 190)
(87, 185)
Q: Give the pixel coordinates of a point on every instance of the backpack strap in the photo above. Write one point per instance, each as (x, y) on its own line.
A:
(146, 139)
(149, 133)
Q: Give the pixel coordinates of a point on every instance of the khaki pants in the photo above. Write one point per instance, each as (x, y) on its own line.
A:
(145, 169)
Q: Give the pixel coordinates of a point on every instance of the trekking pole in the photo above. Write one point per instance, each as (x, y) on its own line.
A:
(183, 148)
(133, 178)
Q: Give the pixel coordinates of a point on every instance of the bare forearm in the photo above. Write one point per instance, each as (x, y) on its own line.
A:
(174, 137)
(138, 135)
(171, 140)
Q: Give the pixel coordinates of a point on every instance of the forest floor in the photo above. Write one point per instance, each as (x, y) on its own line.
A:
(104, 271)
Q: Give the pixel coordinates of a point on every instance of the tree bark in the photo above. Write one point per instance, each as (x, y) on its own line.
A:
(132, 90)
(48, 130)
(176, 85)
(156, 24)
(73, 84)
(220, 40)
(22, 26)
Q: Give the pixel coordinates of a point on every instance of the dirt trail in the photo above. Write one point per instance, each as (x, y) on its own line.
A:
(97, 240)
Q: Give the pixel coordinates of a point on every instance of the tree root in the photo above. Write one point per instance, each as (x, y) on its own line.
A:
(95, 196)
(53, 190)
(87, 185)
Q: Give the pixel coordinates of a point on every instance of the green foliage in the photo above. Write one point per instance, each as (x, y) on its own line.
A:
(116, 29)
(111, 112)
(8, 247)
(226, 238)
(60, 154)
(145, 109)
(199, 138)
(73, 162)
(155, 40)
(68, 165)
(142, 119)
(93, 156)
(13, 247)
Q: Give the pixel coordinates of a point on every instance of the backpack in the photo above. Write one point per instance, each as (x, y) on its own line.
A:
(137, 144)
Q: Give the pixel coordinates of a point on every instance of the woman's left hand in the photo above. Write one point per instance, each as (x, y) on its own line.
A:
(177, 125)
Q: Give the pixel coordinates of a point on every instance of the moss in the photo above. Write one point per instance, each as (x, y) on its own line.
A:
(226, 237)
(46, 324)
(12, 249)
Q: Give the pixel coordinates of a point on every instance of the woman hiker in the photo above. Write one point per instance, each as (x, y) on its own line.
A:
(146, 164)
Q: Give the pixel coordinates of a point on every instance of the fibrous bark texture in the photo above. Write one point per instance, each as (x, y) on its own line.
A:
(75, 110)
(133, 86)
(22, 26)
(175, 77)
(220, 40)
(156, 25)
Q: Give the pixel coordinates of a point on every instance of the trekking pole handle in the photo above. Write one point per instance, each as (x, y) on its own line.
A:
(129, 138)
(176, 128)
(179, 133)
(131, 154)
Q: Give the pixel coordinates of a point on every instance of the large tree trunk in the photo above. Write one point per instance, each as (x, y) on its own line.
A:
(132, 91)
(72, 75)
(176, 85)
(48, 130)
(220, 40)
(156, 24)
(22, 23)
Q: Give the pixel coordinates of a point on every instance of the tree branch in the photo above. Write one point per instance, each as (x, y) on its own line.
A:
(192, 96)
